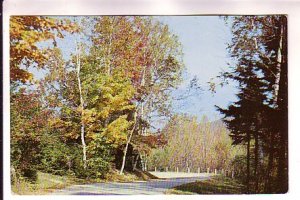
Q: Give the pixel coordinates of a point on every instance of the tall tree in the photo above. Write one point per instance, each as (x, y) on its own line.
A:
(148, 54)
(81, 108)
(258, 48)
(28, 110)
(102, 97)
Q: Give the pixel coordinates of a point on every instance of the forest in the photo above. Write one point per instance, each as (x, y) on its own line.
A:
(92, 113)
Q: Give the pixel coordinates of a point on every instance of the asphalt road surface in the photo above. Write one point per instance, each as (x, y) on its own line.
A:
(155, 186)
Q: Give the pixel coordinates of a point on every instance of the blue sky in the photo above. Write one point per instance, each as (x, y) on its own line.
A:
(204, 40)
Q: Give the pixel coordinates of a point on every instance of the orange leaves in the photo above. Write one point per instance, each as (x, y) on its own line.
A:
(20, 74)
(25, 33)
(153, 141)
(66, 128)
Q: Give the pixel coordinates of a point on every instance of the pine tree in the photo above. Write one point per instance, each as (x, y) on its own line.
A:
(259, 50)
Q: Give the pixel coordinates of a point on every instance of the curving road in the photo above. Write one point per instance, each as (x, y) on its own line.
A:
(157, 186)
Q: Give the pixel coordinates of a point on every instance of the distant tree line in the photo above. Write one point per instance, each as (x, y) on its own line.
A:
(194, 146)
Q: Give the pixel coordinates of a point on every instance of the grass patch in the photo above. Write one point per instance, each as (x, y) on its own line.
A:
(45, 183)
(115, 176)
(144, 175)
(136, 175)
(174, 191)
(215, 185)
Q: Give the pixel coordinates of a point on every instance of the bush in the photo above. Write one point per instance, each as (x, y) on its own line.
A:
(30, 175)
(25, 158)
(57, 157)
(100, 157)
(96, 168)
(60, 158)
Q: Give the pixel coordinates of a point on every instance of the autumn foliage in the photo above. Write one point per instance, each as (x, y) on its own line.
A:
(85, 109)
(26, 32)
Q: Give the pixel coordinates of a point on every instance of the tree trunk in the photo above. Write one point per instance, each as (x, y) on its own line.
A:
(248, 163)
(268, 179)
(135, 162)
(142, 117)
(127, 143)
(145, 163)
(278, 68)
(142, 102)
(109, 52)
(256, 150)
(82, 110)
(282, 174)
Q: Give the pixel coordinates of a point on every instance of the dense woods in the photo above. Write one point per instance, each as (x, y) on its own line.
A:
(258, 120)
(93, 111)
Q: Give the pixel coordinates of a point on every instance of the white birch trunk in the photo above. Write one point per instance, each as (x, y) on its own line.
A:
(278, 69)
(109, 55)
(81, 108)
(127, 144)
(142, 117)
(142, 103)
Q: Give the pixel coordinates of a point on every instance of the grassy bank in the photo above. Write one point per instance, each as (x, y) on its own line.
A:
(46, 183)
(215, 185)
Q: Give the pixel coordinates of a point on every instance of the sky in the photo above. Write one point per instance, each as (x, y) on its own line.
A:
(204, 40)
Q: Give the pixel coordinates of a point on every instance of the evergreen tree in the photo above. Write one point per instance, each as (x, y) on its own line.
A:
(259, 50)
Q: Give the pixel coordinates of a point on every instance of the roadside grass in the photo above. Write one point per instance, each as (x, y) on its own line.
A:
(215, 185)
(46, 183)
(136, 175)
(175, 191)
(115, 176)
(144, 175)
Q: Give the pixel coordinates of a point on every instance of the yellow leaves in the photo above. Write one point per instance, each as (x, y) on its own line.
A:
(116, 132)
(57, 123)
(78, 109)
(89, 116)
(67, 128)
(116, 93)
(105, 113)
(25, 34)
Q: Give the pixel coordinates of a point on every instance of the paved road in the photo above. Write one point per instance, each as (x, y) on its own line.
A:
(157, 186)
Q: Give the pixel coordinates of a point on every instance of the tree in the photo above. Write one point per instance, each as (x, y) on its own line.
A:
(148, 54)
(28, 123)
(102, 97)
(104, 109)
(26, 32)
(28, 111)
(259, 50)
